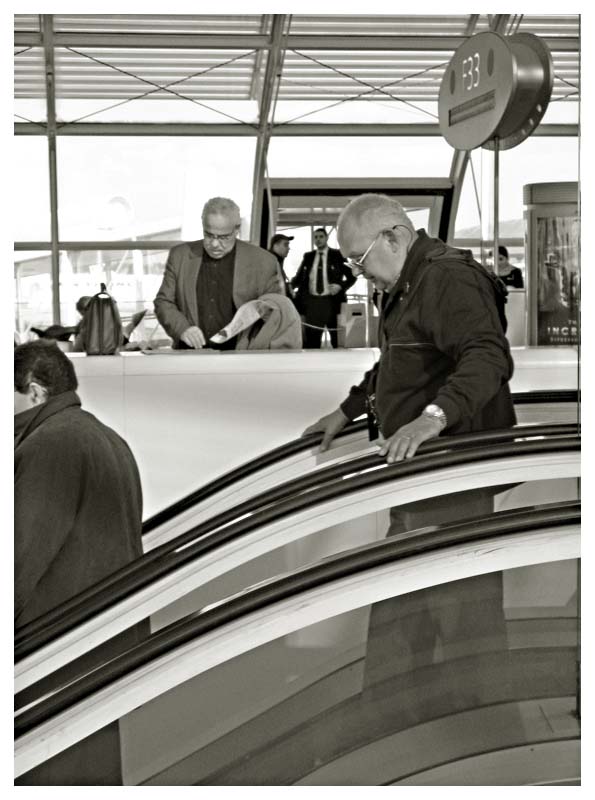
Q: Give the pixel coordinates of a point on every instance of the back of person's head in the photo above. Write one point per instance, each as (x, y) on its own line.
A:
(503, 251)
(82, 303)
(373, 212)
(222, 206)
(42, 361)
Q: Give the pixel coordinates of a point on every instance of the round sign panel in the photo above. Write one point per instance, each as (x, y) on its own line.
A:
(494, 86)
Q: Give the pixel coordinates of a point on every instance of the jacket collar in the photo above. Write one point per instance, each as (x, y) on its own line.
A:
(418, 253)
(28, 421)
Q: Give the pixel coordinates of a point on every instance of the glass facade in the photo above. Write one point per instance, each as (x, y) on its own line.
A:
(118, 188)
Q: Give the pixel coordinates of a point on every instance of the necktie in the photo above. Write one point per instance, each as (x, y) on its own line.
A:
(319, 274)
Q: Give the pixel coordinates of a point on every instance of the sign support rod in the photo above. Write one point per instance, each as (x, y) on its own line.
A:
(496, 202)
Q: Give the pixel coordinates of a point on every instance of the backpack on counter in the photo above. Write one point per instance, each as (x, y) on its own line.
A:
(101, 329)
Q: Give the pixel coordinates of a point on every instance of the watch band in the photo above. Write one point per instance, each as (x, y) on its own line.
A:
(436, 413)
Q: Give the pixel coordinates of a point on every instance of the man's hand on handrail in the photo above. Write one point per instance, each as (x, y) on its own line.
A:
(329, 425)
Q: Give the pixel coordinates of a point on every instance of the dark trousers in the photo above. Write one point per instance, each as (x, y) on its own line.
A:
(96, 760)
(455, 619)
(321, 312)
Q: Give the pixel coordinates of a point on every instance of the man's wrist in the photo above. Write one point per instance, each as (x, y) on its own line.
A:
(436, 414)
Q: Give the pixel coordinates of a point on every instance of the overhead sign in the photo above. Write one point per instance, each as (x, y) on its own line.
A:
(495, 86)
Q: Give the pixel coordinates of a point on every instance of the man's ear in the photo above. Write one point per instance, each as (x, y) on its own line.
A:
(392, 240)
(37, 393)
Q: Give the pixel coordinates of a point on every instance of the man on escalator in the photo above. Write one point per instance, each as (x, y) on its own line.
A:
(78, 517)
(444, 366)
(445, 362)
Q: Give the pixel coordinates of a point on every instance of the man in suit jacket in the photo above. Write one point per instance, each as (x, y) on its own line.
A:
(321, 283)
(206, 281)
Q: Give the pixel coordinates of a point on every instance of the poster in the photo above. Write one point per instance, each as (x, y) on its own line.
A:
(558, 280)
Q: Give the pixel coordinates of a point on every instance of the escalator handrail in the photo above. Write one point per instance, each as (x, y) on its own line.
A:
(209, 535)
(546, 396)
(280, 588)
(239, 473)
(306, 443)
(357, 463)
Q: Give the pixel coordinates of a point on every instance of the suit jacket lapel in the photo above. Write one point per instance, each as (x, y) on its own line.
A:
(239, 275)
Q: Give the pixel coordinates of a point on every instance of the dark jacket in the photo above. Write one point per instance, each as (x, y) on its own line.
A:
(78, 504)
(286, 282)
(514, 278)
(78, 512)
(337, 273)
(442, 342)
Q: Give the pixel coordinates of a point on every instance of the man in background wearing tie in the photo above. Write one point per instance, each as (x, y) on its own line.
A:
(320, 285)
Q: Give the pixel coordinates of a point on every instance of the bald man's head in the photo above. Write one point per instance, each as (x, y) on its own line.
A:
(370, 213)
(375, 235)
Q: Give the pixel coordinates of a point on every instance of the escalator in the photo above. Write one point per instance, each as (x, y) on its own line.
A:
(449, 655)
(262, 537)
(301, 456)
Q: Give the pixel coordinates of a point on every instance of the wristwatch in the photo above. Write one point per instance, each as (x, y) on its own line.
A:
(435, 412)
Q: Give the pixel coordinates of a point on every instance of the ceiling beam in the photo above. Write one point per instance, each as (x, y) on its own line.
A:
(242, 41)
(233, 129)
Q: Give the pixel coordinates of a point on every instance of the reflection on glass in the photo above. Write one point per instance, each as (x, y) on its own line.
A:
(558, 280)
(380, 694)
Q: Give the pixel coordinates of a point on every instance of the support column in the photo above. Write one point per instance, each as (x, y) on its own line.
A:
(47, 33)
(269, 87)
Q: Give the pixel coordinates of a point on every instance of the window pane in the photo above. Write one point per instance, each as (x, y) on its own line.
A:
(132, 277)
(31, 186)
(137, 188)
(402, 157)
(33, 292)
(538, 159)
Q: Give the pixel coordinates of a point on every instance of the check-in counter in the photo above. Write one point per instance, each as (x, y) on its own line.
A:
(190, 416)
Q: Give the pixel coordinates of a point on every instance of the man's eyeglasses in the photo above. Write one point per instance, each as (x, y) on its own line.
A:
(224, 238)
(358, 263)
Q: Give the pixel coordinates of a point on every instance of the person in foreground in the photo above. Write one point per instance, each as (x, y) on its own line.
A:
(444, 367)
(445, 362)
(78, 517)
(205, 282)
